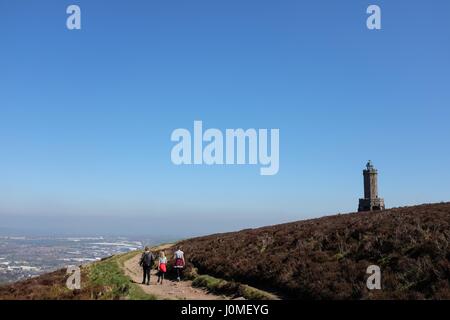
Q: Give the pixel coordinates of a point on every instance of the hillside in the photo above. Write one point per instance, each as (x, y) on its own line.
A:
(327, 258)
(103, 280)
(323, 258)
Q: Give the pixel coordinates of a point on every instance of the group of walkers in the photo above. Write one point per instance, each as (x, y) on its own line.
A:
(148, 259)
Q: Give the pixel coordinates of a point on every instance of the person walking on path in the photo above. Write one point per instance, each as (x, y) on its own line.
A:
(146, 263)
(162, 266)
(179, 262)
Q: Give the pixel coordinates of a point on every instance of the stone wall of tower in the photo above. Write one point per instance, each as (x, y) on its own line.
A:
(370, 184)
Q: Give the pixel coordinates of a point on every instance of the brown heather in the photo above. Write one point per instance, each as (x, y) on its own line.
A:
(327, 258)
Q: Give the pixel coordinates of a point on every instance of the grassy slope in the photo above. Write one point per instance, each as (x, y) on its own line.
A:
(100, 280)
(231, 288)
(109, 276)
(327, 258)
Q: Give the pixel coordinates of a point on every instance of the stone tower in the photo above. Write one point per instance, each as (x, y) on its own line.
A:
(371, 202)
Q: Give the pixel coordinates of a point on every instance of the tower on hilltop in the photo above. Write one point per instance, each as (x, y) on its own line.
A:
(371, 202)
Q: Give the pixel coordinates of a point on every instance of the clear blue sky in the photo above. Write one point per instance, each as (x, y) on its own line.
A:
(86, 116)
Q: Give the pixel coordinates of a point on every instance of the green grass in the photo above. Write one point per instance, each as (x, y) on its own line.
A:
(231, 288)
(116, 285)
(208, 282)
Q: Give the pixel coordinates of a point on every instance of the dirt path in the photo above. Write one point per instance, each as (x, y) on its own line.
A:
(169, 289)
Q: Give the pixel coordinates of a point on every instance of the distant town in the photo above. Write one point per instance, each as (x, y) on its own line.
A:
(28, 256)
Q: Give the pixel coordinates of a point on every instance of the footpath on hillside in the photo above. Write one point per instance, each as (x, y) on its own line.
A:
(171, 290)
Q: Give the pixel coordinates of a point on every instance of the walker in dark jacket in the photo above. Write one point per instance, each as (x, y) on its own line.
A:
(146, 263)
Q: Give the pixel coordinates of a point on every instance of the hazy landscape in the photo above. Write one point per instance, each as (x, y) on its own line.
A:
(22, 257)
(324, 258)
